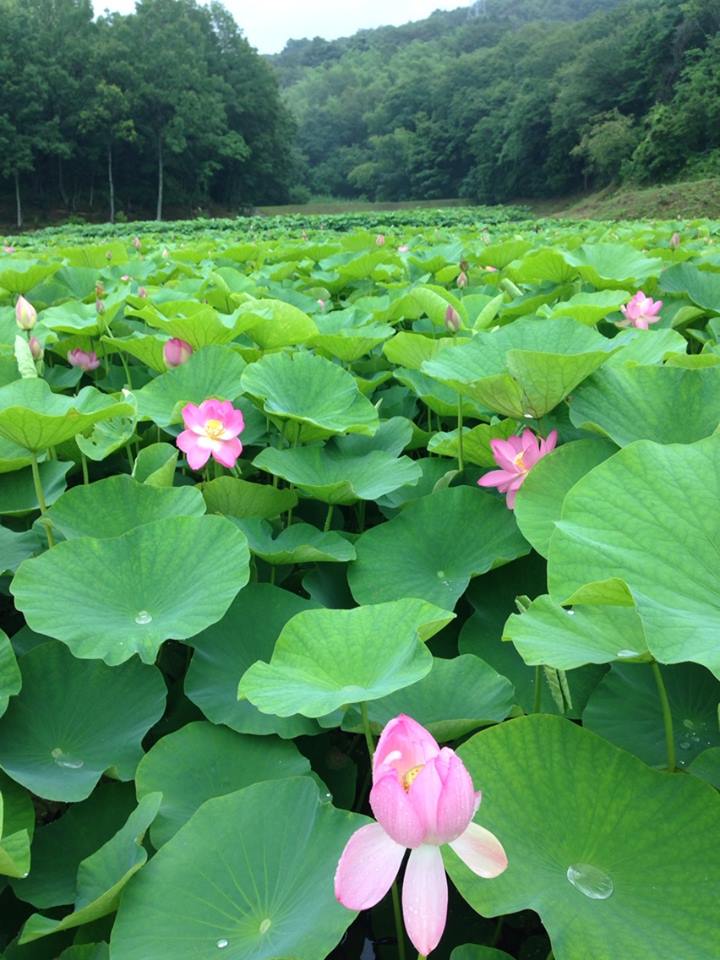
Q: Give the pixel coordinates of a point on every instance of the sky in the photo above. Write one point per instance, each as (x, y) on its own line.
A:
(268, 24)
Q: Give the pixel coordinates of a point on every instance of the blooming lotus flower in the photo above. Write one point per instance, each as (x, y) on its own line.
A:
(380, 239)
(36, 348)
(462, 279)
(641, 311)
(452, 319)
(176, 352)
(25, 314)
(422, 797)
(516, 456)
(85, 359)
(211, 429)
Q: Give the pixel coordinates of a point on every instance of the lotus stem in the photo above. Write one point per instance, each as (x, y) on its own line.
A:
(41, 497)
(538, 689)
(367, 731)
(461, 454)
(84, 465)
(328, 517)
(667, 717)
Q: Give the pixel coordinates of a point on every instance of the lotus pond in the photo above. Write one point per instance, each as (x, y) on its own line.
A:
(322, 545)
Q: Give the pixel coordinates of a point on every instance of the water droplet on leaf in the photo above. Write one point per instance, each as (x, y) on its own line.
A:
(221, 944)
(627, 654)
(64, 760)
(265, 925)
(590, 880)
(142, 616)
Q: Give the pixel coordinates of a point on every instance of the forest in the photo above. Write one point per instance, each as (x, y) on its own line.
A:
(171, 111)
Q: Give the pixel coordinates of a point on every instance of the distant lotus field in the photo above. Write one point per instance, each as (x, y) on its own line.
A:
(360, 589)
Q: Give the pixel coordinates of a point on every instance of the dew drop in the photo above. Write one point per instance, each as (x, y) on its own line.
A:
(221, 944)
(265, 925)
(529, 416)
(441, 574)
(590, 880)
(684, 745)
(627, 654)
(63, 760)
(688, 724)
(142, 616)
(570, 613)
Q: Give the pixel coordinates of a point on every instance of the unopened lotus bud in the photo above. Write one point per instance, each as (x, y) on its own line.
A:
(321, 303)
(380, 239)
(125, 278)
(675, 241)
(8, 248)
(100, 306)
(403, 248)
(176, 352)
(462, 280)
(25, 314)
(137, 242)
(165, 253)
(35, 348)
(108, 255)
(99, 288)
(452, 319)
(464, 266)
(142, 292)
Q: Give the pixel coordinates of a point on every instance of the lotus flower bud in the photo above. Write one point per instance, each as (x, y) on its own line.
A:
(99, 288)
(8, 248)
(380, 239)
(100, 306)
(165, 253)
(675, 241)
(176, 352)
(125, 278)
(35, 348)
(137, 242)
(142, 292)
(403, 248)
(25, 314)
(85, 359)
(464, 266)
(462, 280)
(452, 319)
(108, 255)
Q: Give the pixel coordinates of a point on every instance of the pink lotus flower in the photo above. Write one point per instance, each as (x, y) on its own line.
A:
(125, 278)
(516, 456)
(176, 352)
(36, 348)
(25, 314)
(462, 279)
(211, 428)
(380, 239)
(85, 359)
(423, 798)
(640, 312)
(8, 248)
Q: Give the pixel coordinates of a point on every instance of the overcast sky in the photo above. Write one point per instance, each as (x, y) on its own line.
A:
(268, 24)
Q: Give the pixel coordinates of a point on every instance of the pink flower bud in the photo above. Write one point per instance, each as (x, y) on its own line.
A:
(99, 288)
(452, 319)
(35, 348)
(125, 278)
(85, 359)
(165, 253)
(176, 352)
(100, 306)
(380, 239)
(137, 242)
(403, 248)
(25, 314)
(142, 292)
(8, 248)
(675, 241)
(462, 280)
(321, 303)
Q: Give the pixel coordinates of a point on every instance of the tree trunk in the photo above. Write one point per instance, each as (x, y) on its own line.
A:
(92, 190)
(111, 184)
(158, 214)
(61, 184)
(18, 203)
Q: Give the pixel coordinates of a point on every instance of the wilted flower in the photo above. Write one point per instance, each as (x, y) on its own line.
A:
(452, 319)
(176, 352)
(422, 797)
(85, 359)
(35, 348)
(516, 456)
(380, 239)
(462, 279)
(641, 311)
(211, 429)
(25, 314)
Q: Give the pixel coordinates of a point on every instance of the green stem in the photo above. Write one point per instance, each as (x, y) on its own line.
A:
(131, 459)
(461, 455)
(367, 731)
(272, 574)
(84, 465)
(126, 368)
(551, 955)
(40, 496)
(399, 928)
(667, 717)
(538, 689)
(328, 517)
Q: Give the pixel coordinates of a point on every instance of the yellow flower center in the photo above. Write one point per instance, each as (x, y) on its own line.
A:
(214, 429)
(519, 462)
(410, 775)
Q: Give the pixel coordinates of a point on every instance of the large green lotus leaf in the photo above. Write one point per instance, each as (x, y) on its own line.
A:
(196, 323)
(438, 397)
(135, 590)
(34, 417)
(75, 719)
(20, 276)
(17, 824)
(541, 265)
(250, 873)
(17, 490)
(111, 507)
(455, 698)
(324, 659)
(107, 436)
(549, 634)
(103, 875)
(540, 499)
(73, 317)
(155, 465)
(593, 861)
(224, 651)
(706, 766)
(613, 266)
(625, 709)
(525, 368)
(13, 456)
(627, 521)
(329, 474)
(212, 372)
(10, 681)
(476, 442)
(472, 951)
(16, 547)
(239, 498)
(392, 436)
(273, 324)
(351, 342)
(77, 833)
(96, 951)
(666, 404)
(408, 349)
(299, 543)
(702, 286)
(590, 308)
(433, 548)
(315, 392)
(147, 348)
(646, 346)
(201, 761)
